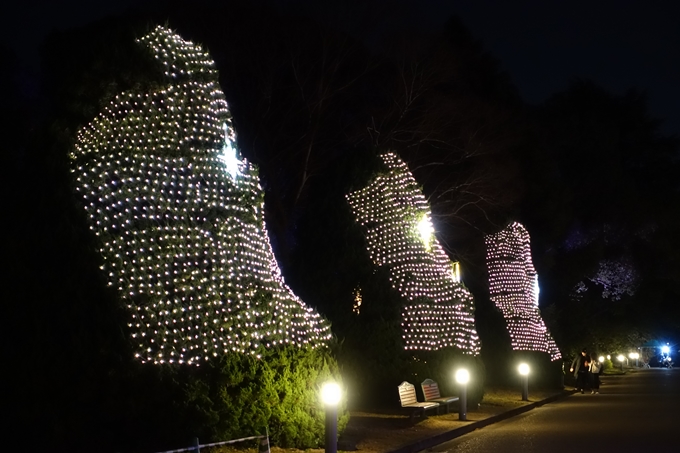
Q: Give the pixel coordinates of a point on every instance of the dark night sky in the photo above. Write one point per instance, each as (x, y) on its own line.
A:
(619, 44)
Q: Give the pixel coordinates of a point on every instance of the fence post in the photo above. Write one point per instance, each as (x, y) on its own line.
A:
(196, 445)
(264, 445)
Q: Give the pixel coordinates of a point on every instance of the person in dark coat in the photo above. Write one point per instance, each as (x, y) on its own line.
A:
(580, 367)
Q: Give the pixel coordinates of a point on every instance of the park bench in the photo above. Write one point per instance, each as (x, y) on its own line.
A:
(431, 393)
(409, 401)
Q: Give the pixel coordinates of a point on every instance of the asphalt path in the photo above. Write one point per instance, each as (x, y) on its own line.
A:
(638, 411)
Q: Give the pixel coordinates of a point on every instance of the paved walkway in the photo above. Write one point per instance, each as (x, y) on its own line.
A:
(634, 412)
(472, 425)
(387, 432)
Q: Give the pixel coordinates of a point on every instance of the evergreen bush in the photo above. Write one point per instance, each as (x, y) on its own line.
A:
(240, 396)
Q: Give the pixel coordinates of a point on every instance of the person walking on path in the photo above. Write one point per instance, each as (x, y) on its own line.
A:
(595, 372)
(580, 367)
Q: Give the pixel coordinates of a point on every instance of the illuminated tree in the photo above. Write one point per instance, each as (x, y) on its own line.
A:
(616, 278)
(179, 219)
(437, 310)
(513, 287)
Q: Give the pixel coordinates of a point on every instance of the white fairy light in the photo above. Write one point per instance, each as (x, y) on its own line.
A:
(183, 241)
(438, 311)
(513, 287)
(229, 155)
(426, 230)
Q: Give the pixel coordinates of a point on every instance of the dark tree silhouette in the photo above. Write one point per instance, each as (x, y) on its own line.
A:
(602, 184)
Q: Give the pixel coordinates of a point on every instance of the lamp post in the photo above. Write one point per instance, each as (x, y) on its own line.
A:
(634, 355)
(621, 358)
(330, 395)
(462, 378)
(665, 356)
(524, 372)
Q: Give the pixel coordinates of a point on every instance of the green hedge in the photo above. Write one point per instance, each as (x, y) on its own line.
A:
(240, 395)
(143, 408)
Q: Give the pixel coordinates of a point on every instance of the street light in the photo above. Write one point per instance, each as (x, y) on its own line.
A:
(634, 355)
(524, 371)
(462, 378)
(330, 395)
(621, 358)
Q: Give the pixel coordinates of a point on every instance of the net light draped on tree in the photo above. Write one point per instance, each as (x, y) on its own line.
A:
(438, 311)
(513, 287)
(179, 219)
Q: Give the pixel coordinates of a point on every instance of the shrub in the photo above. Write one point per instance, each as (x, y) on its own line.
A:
(241, 395)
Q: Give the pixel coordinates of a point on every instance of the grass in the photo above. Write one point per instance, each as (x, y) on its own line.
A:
(509, 398)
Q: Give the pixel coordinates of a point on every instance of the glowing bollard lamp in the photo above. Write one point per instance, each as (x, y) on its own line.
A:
(330, 395)
(462, 378)
(524, 372)
(621, 358)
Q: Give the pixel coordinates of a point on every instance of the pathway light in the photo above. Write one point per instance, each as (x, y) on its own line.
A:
(524, 372)
(462, 378)
(330, 396)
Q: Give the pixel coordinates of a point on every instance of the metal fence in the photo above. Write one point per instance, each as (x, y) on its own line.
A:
(196, 446)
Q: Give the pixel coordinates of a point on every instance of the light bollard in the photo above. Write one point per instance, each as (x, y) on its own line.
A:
(635, 356)
(524, 372)
(330, 395)
(462, 378)
(621, 359)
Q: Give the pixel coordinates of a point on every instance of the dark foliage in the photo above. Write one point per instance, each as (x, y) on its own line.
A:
(603, 186)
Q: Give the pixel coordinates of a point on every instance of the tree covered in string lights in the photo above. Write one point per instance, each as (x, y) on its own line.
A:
(513, 287)
(179, 219)
(437, 311)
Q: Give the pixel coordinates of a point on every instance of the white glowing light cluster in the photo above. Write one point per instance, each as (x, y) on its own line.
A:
(513, 287)
(179, 219)
(439, 311)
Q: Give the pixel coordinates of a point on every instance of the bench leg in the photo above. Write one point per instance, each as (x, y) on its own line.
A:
(420, 413)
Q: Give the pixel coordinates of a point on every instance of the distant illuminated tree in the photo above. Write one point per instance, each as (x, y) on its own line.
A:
(438, 310)
(179, 219)
(513, 287)
(616, 278)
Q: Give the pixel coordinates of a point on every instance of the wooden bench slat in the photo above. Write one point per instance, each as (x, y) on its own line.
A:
(431, 393)
(446, 399)
(409, 400)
